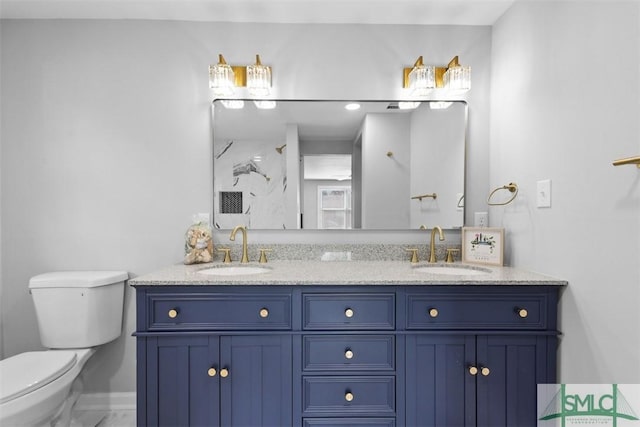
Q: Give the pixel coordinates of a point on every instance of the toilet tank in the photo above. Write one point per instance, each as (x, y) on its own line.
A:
(78, 309)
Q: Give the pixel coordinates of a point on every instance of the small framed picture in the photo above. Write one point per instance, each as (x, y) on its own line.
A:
(482, 245)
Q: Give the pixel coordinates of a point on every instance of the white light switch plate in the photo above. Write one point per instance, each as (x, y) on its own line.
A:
(543, 194)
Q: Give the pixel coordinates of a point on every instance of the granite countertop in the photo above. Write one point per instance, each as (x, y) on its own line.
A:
(304, 272)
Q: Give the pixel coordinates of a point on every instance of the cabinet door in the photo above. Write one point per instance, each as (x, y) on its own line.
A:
(507, 392)
(180, 389)
(439, 389)
(257, 391)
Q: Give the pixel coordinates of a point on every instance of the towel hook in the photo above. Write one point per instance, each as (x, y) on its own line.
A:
(512, 187)
(423, 196)
(628, 161)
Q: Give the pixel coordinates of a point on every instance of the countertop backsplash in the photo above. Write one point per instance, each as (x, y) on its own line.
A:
(336, 252)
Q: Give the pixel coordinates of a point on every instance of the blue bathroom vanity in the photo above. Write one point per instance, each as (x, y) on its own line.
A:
(343, 344)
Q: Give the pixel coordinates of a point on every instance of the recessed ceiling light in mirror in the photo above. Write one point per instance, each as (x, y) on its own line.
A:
(352, 106)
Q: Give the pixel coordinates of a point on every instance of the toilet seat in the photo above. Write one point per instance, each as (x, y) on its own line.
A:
(23, 373)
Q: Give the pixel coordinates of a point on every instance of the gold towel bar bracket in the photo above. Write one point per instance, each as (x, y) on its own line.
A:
(424, 196)
(512, 187)
(628, 161)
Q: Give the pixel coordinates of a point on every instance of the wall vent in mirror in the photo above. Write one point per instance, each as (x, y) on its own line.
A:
(231, 202)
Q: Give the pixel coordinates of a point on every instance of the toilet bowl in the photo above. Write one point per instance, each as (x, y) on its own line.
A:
(35, 386)
(76, 311)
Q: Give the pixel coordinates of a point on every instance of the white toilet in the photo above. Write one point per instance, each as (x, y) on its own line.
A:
(76, 310)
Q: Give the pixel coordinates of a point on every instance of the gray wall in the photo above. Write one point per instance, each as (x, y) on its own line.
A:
(386, 180)
(564, 105)
(437, 166)
(106, 140)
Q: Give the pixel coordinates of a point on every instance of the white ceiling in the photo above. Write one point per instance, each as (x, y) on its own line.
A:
(423, 12)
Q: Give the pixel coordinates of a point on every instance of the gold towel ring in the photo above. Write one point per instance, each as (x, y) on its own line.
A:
(512, 187)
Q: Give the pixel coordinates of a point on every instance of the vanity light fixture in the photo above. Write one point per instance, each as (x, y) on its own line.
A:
(224, 78)
(422, 79)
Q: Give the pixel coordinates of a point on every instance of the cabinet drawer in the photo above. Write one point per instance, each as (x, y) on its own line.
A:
(348, 352)
(476, 311)
(349, 311)
(352, 395)
(349, 422)
(218, 311)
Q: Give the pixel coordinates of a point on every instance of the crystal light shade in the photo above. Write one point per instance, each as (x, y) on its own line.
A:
(258, 79)
(457, 79)
(221, 78)
(422, 80)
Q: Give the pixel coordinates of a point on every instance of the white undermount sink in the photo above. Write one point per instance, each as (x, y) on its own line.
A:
(451, 270)
(236, 270)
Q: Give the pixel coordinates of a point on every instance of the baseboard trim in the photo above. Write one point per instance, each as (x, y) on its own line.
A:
(106, 401)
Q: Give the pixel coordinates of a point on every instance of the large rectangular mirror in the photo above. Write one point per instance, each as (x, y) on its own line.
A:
(319, 165)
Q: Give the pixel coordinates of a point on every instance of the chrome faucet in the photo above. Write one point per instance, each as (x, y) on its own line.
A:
(432, 249)
(232, 237)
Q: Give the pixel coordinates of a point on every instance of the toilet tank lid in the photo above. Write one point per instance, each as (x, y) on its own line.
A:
(77, 279)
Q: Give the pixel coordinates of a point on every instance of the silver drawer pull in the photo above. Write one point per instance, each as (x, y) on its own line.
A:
(348, 354)
(264, 313)
(523, 313)
(349, 396)
(348, 312)
(433, 312)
